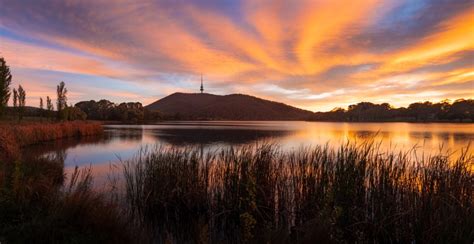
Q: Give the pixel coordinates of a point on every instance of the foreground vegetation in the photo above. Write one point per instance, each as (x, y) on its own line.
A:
(262, 194)
(38, 206)
(354, 193)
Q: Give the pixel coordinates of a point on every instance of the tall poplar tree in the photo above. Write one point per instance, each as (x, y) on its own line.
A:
(49, 106)
(15, 98)
(5, 80)
(41, 108)
(61, 102)
(21, 102)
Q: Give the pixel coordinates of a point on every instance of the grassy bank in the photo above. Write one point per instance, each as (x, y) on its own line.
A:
(14, 136)
(262, 194)
(38, 206)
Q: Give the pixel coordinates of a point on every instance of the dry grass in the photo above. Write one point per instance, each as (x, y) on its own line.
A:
(15, 136)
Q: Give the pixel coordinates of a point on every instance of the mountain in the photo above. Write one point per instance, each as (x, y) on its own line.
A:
(228, 107)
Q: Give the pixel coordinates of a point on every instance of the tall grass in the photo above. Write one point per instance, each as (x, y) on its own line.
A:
(354, 193)
(15, 136)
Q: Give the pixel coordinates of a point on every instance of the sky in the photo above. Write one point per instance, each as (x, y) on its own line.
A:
(314, 54)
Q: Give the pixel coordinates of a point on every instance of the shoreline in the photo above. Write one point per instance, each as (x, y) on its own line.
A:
(114, 122)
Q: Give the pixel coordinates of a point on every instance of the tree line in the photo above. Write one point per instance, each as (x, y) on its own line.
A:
(101, 110)
(461, 110)
(133, 112)
(19, 109)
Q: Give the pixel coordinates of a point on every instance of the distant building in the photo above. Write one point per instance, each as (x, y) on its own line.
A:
(202, 86)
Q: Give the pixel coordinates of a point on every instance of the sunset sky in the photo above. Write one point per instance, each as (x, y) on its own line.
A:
(316, 55)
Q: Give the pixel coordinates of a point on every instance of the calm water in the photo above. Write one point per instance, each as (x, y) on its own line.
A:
(123, 141)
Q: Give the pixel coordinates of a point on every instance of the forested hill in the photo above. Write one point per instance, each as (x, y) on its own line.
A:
(228, 107)
(182, 106)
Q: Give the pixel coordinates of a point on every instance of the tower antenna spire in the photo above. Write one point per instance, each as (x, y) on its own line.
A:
(202, 86)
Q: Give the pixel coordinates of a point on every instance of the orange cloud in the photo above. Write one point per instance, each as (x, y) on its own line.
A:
(225, 34)
(457, 34)
(21, 55)
(454, 35)
(325, 21)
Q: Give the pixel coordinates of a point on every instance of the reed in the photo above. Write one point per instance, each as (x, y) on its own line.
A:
(15, 136)
(37, 205)
(353, 193)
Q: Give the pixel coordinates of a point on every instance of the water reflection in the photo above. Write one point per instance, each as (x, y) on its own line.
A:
(180, 137)
(123, 141)
(126, 134)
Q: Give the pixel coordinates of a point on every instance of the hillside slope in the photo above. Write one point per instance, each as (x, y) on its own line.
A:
(228, 107)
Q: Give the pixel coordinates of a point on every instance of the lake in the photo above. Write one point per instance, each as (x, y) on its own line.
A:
(121, 142)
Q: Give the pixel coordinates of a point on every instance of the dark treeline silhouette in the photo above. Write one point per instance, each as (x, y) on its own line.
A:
(109, 111)
(461, 110)
(20, 110)
(64, 111)
(186, 106)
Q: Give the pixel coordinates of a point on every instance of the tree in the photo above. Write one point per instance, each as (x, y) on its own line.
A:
(49, 106)
(15, 98)
(61, 103)
(75, 113)
(21, 102)
(91, 108)
(132, 112)
(41, 107)
(424, 111)
(5, 80)
(105, 109)
(461, 110)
